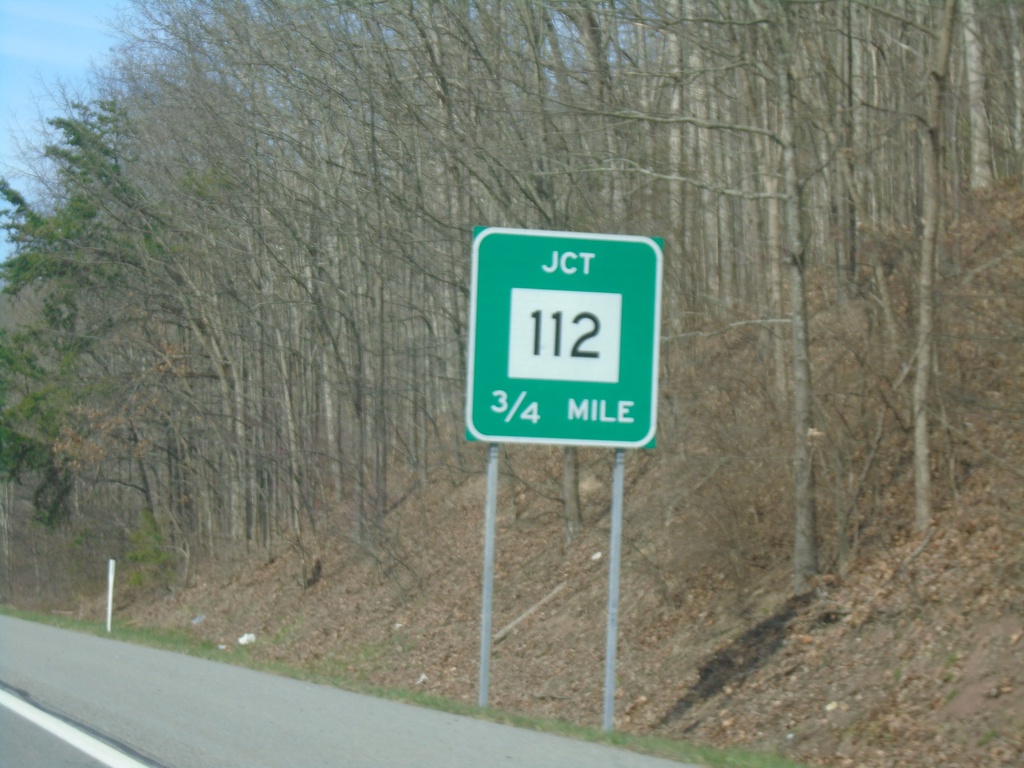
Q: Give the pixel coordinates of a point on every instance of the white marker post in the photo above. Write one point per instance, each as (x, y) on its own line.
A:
(110, 595)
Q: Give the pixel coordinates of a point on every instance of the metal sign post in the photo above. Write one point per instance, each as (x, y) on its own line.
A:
(490, 517)
(612, 634)
(564, 330)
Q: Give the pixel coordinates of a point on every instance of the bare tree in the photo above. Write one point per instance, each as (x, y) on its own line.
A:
(981, 147)
(932, 139)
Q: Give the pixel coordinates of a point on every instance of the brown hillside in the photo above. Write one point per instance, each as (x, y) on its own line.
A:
(909, 653)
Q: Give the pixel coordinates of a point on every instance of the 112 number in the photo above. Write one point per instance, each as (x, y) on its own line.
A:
(577, 348)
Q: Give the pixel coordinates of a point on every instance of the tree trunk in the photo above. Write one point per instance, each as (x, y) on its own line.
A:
(1017, 57)
(932, 139)
(572, 512)
(6, 507)
(981, 145)
(805, 543)
(775, 292)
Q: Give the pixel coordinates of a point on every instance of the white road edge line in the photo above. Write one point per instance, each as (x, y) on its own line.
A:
(83, 742)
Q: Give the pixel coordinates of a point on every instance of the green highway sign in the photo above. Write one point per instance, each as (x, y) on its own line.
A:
(563, 338)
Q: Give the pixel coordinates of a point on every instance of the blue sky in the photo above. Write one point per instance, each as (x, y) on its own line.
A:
(43, 42)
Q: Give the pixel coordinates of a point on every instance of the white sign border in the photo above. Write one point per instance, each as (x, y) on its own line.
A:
(471, 355)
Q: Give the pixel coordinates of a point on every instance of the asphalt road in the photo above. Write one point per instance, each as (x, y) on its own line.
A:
(178, 711)
(25, 745)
